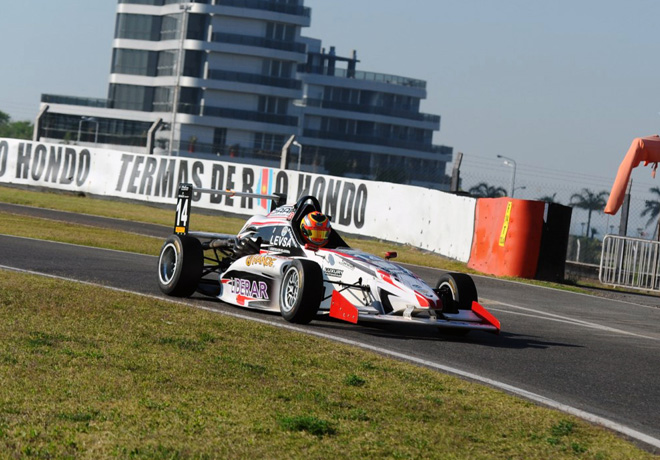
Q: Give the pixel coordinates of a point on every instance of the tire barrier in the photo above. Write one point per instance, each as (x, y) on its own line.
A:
(520, 238)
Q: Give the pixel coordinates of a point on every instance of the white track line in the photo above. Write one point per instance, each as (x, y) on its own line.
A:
(562, 319)
(634, 434)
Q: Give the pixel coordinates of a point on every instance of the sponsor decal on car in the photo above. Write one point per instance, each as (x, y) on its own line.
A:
(282, 211)
(262, 260)
(283, 240)
(247, 288)
(346, 264)
(333, 272)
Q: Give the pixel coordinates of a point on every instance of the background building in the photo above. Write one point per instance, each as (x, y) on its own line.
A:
(245, 80)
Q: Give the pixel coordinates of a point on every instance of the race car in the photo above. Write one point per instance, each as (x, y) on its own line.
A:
(292, 261)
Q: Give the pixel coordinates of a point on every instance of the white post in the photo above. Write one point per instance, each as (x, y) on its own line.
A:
(297, 144)
(185, 8)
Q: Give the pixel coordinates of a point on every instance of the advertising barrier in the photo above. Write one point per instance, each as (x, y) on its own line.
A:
(424, 218)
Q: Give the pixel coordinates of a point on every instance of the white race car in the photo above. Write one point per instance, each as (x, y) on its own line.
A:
(269, 266)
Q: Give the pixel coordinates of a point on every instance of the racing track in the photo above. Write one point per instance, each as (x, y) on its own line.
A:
(591, 354)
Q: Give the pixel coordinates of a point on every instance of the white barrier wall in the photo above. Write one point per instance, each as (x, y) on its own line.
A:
(424, 218)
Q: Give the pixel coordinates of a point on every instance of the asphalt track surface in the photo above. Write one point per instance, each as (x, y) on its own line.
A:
(592, 356)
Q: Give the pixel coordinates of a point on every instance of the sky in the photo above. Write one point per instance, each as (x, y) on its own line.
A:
(561, 87)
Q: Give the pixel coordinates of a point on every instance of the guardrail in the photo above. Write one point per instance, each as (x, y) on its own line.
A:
(630, 262)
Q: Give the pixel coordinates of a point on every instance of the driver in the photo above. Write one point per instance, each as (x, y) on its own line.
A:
(315, 228)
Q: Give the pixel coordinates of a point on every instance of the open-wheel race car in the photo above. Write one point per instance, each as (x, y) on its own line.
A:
(292, 261)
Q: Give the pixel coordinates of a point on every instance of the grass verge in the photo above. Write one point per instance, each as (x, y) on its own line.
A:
(87, 372)
(156, 215)
(46, 229)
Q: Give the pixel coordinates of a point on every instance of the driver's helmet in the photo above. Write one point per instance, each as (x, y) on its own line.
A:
(315, 228)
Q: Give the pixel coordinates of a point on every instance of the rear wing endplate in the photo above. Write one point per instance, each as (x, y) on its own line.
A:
(184, 203)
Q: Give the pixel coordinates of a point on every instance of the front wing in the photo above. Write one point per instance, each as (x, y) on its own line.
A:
(476, 319)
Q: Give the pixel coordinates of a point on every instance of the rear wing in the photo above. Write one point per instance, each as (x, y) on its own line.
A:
(184, 203)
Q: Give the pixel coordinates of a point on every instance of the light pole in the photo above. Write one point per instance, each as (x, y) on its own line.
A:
(185, 8)
(91, 120)
(297, 144)
(510, 162)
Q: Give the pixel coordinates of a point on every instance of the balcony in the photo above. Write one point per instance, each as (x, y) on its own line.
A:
(360, 75)
(233, 114)
(250, 115)
(266, 6)
(254, 79)
(376, 140)
(259, 42)
(73, 100)
(375, 110)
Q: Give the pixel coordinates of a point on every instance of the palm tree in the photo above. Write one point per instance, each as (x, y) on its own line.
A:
(590, 201)
(483, 190)
(652, 207)
(549, 199)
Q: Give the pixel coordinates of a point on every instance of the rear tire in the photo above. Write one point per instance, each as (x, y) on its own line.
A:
(180, 265)
(301, 291)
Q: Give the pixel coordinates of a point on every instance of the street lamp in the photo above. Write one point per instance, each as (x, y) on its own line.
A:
(510, 162)
(90, 120)
(185, 8)
(297, 144)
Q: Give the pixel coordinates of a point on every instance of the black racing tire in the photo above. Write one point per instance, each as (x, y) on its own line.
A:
(301, 291)
(458, 289)
(180, 265)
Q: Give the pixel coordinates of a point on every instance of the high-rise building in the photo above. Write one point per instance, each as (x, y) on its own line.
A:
(245, 80)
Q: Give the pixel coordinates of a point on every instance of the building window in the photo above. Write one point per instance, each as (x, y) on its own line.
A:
(269, 104)
(132, 97)
(196, 29)
(137, 27)
(163, 99)
(132, 62)
(280, 69)
(268, 142)
(193, 65)
(169, 29)
(189, 100)
(166, 63)
(220, 141)
(281, 32)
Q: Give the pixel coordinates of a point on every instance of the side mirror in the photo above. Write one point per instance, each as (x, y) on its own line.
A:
(390, 255)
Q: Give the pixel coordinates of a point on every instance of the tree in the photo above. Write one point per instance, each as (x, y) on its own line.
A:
(591, 202)
(14, 129)
(652, 207)
(549, 199)
(483, 190)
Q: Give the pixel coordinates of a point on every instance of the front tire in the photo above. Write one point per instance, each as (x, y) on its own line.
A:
(457, 290)
(180, 265)
(301, 291)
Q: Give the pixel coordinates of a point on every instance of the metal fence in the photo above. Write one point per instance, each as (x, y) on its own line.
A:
(630, 262)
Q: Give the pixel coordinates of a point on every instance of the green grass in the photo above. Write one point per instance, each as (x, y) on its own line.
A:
(201, 221)
(87, 372)
(163, 216)
(46, 229)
